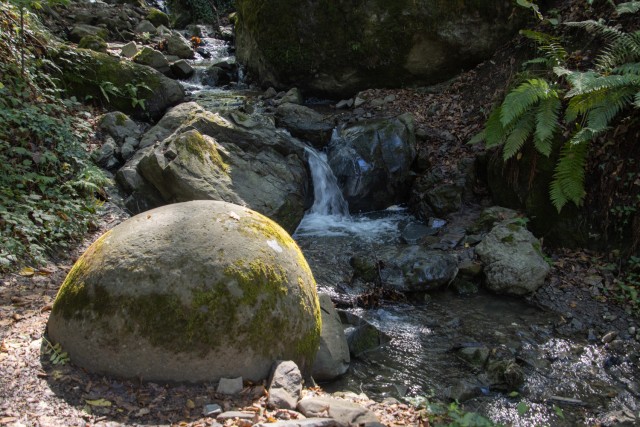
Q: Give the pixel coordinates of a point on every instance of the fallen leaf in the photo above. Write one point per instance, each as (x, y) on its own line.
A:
(98, 402)
(27, 272)
(47, 307)
(190, 404)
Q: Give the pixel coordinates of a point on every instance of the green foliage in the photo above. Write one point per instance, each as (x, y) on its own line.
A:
(593, 99)
(628, 7)
(629, 284)
(47, 180)
(56, 355)
(439, 414)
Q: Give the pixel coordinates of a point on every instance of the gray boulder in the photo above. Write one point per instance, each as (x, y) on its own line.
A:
(304, 123)
(179, 46)
(416, 269)
(513, 259)
(285, 385)
(332, 359)
(207, 156)
(83, 30)
(345, 413)
(145, 26)
(333, 48)
(119, 126)
(142, 196)
(181, 69)
(372, 162)
(152, 58)
(197, 285)
(129, 50)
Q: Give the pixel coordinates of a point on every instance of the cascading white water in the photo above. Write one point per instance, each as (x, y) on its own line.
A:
(328, 199)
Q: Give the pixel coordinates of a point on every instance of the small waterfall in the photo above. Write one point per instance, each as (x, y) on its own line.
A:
(328, 198)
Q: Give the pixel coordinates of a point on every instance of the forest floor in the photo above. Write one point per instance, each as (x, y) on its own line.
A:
(35, 392)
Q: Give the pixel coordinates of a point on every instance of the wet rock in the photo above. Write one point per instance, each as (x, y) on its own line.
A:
(462, 391)
(505, 375)
(229, 386)
(181, 69)
(344, 413)
(285, 385)
(332, 359)
(363, 337)
(465, 287)
(304, 123)
(469, 269)
(215, 76)
(416, 269)
(372, 162)
(513, 261)
(365, 268)
(414, 232)
(292, 96)
(345, 103)
(475, 354)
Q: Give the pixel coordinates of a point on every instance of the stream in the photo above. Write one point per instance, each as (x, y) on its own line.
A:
(565, 381)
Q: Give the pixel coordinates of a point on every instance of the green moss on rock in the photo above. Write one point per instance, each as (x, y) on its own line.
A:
(158, 17)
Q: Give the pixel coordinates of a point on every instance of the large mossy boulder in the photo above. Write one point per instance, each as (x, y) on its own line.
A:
(86, 73)
(189, 292)
(337, 47)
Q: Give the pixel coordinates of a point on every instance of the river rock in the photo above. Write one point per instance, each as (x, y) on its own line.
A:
(83, 70)
(119, 126)
(372, 162)
(332, 359)
(197, 285)
(416, 269)
(202, 155)
(83, 30)
(285, 385)
(157, 17)
(94, 43)
(129, 50)
(179, 46)
(490, 217)
(513, 259)
(345, 413)
(332, 48)
(152, 58)
(304, 123)
(145, 26)
(141, 195)
(362, 336)
(229, 386)
(182, 69)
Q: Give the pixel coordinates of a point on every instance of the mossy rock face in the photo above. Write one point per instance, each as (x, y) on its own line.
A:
(158, 17)
(95, 43)
(337, 47)
(189, 292)
(84, 72)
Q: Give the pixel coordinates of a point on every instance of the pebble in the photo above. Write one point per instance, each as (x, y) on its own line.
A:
(632, 330)
(211, 409)
(609, 336)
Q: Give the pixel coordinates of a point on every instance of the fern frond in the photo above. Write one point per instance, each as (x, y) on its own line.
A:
(609, 106)
(585, 83)
(597, 27)
(547, 123)
(519, 100)
(636, 100)
(621, 49)
(629, 68)
(628, 7)
(494, 132)
(568, 179)
(549, 45)
(521, 131)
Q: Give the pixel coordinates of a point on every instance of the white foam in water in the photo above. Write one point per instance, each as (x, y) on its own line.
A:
(329, 215)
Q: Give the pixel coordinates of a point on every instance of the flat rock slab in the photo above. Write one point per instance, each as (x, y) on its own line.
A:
(308, 422)
(343, 412)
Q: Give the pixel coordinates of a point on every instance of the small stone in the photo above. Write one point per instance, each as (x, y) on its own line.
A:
(357, 102)
(211, 409)
(609, 336)
(591, 335)
(270, 93)
(345, 103)
(229, 386)
(632, 330)
(129, 50)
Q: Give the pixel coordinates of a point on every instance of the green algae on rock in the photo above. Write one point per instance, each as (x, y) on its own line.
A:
(184, 293)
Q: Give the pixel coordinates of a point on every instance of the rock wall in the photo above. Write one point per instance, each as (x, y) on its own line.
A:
(337, 47)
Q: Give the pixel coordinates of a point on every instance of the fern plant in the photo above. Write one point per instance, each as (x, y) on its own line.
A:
(593, 99)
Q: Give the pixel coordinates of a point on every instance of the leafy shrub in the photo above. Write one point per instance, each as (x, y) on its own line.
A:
(47, 181)
(592, 99)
